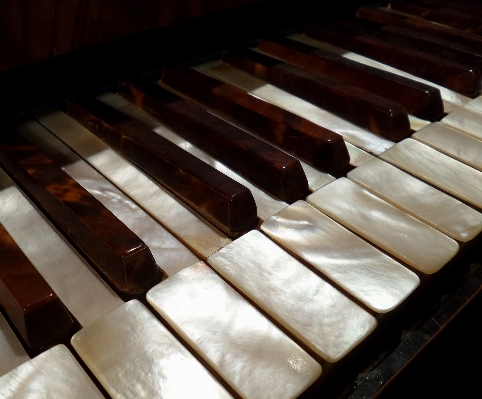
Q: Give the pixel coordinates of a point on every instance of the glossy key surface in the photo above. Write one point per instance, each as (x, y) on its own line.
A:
(438, 169)
(461, 78)
(420, 25)
(419, 199)
(419, 99)
(34, 308)
(269, 168)
(401, 235)
(466, 121)
(450, 98)
(193, 230)
(221, 200)
(451, 18)
(11, 351)
(169, 254)
(79, 287)
(135, 357)
(316, 313)
(122, 256)
(246, 349)
(320, 147)
(452, 142)
(351, 133)
(54, 373)
(372, 112)
(373, 278)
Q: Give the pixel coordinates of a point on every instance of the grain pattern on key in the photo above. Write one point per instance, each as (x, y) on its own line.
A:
(372, 112)
(121, 256)
(11, 350)
(53, 374)
(450, 18)
(419, 99)
(461, 78)
(419, 199)
(443, 48)
(401, 235)
(314, 311)
(224, 202)
(269, 168)
(134, 356)
(232, 336)
(34, 308)
(318, 146)
(420, 25)
(374, 278)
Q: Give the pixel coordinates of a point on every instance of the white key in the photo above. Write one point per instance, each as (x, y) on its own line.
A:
(351, 133)
(438, 169)
(451, 99)
(169, 254)
(53, 374)
(317, 314)
(475, 105)
(357, 156)
(12, 353)
(368, 274)
(452, 142)
(247, 350)
(466, 121)
(135, 357)
(401, 235)
(265, 203)
(79, 287)
(199, 235)
(417, 198)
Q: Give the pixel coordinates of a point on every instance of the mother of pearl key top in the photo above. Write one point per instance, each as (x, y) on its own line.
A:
(438, 169)
(52, 374)
(419, 199)
(247, 350)
(368, 274)
(401, 235)
(135, 357)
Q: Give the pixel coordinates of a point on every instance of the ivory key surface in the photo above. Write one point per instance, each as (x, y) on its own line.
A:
(401, 235)
(53, 374)
(247, 350)
(368, 274)
(135, 357)
(419, 199)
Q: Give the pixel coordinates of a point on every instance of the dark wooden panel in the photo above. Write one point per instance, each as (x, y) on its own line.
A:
(37, 30)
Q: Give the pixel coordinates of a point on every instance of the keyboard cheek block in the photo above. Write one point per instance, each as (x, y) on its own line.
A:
(122, 256)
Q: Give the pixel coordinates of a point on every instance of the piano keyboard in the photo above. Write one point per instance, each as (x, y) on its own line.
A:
(246, 227)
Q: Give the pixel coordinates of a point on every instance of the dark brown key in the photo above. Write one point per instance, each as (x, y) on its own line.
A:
(450, 18)
(369, 111)
(413, 40)
(419, 99)
(465, 8)
(318, 146)
(223, 201)
(35, 310)
(269, 168)
(460, 78)
(117, 252)
(421, 25)
(443, 48)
